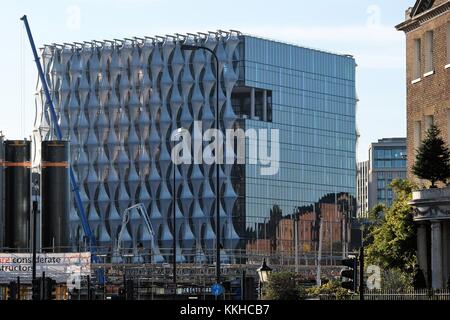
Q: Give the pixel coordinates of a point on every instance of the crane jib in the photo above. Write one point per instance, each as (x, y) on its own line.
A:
(73, 182)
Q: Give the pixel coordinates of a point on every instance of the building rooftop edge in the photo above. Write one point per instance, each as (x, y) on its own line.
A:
(299, 45)
(199, 35)
(414, 21)
(391, 139)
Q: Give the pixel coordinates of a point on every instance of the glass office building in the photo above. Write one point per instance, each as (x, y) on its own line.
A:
(387, 159)
(119, 101)
(313, 107)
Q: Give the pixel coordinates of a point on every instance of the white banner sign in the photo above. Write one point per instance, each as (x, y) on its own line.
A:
(58, 266)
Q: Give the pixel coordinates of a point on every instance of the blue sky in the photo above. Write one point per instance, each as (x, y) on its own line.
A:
(362, 28)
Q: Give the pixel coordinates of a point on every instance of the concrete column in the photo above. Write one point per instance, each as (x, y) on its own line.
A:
(436, 255)
(422, 249)
(445, 248)
(252, 103)
(265, 105)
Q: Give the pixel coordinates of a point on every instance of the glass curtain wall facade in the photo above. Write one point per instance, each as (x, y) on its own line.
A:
(313, 106)
(362, 189)
(118, 102)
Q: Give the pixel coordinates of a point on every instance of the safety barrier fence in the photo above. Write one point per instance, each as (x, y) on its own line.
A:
(420, 294)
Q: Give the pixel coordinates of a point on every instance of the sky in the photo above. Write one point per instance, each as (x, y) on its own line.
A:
(362, 28)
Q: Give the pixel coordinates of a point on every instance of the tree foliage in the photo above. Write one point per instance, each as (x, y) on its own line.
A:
(433, 158)
(392, 241)
(377, 212)
(397, 280)
(283, 286)
(331, 289)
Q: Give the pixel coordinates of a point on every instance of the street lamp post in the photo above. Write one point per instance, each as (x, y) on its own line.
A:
(174, 192)
(186, 47)
(176, 135)
(34, 233)
(295, 220)
(263, 273)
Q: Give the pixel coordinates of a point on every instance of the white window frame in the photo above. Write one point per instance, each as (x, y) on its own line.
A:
(429, 121)
(448, 45)
(448, 126)
(417, 135)
(429, 53)
(417, 65)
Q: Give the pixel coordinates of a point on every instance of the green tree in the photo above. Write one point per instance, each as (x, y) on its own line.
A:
(332, 289)
(397, 280)
(432, 159)
(392, 241)
(283, 286)
(377, 212)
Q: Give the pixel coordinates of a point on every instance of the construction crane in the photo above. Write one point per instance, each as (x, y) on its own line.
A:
(73, 182)
(140, 208)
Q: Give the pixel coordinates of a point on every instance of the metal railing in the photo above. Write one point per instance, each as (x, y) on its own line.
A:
(229, 256)
(395, 295)
(423, 294)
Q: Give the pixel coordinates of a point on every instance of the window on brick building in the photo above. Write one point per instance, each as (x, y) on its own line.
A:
(429, 120)
(429, 44)
(448, 44)
(417, 59)
(448, 125)
(417, 135)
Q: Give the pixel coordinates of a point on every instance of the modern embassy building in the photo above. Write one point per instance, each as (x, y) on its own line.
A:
(119, 101)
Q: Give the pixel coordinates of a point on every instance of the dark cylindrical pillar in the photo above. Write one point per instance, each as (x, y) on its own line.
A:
(17, 194)
(2, 201)
(55, 195)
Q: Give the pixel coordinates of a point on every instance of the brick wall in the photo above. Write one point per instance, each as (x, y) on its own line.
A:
(431, 95)
(438, 2)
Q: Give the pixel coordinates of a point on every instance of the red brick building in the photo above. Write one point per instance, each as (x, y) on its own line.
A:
(427, 29)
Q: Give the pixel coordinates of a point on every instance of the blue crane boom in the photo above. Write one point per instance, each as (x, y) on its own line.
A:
(73, 182)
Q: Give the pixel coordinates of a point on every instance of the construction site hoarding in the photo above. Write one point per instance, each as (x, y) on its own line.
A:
(61, 267)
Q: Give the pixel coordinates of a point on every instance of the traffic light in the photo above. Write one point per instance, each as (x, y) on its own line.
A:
(226, 286)
(36, 289)
(249, 288)
(129, 291)
(12, 290)
(49, 289)
(226, 289)
(349, 275)
(121, 295)
(236, 289)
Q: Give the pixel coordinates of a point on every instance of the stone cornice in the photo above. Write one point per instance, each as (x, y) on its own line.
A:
(417, 21)
(430, 213)
(431, 204)
(434, 194)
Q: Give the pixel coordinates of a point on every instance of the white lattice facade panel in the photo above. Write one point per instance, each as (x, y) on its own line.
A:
(118, 103)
